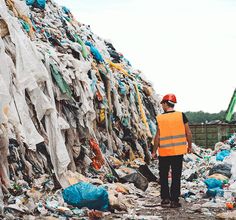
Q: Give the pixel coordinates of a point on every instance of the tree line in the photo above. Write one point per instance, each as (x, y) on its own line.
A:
(203, 117)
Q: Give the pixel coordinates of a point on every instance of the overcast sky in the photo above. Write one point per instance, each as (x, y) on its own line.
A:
(186, 47)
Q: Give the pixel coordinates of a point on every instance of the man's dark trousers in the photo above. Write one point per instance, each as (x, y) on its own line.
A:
(176, 164)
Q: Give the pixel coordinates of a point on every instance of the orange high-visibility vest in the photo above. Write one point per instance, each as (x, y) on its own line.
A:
(172, 134)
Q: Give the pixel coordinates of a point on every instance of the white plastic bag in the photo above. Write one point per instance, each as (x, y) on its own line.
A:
(233, 162)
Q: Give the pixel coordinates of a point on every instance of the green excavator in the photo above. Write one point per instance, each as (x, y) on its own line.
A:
(229, 116)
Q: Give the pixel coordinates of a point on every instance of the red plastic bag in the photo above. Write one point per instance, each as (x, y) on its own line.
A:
(98, 160)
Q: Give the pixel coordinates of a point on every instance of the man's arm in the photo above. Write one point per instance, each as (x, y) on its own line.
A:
(188, 136)
(156, 143)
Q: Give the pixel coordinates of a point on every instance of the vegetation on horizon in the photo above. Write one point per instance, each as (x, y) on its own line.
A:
(203, 117)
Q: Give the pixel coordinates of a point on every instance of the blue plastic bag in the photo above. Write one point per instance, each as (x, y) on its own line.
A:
(215, 191)
(66, 10)
(152, 127)
(84, 194)
(97, 56)
(213, 183)
(37, 3)
(222, 154)
(122, 88)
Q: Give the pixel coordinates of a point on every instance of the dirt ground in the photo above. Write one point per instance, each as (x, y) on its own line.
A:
(148, 207)
(155, 211)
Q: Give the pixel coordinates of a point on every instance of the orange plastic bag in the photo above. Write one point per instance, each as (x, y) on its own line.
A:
(229, 205)
(98, 160)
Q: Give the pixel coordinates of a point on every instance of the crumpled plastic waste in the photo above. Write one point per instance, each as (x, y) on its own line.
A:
(86, 195)
(222, 154)
(137, 179)
(224, 169)
(98, 160)
(37, 3)
(214, 187)
(95, 52)
(146, 172)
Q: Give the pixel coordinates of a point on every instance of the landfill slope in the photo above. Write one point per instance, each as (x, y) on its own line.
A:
(69, 100)
(77, 122)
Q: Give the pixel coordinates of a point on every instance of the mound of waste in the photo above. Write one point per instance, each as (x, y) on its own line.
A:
(72, 107)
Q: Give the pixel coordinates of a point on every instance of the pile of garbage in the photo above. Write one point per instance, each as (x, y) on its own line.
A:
(71, 107)
(209, 177)
(77, 122)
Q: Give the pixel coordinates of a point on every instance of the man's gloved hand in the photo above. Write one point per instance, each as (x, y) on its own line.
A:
(190, 149)
(154, 155)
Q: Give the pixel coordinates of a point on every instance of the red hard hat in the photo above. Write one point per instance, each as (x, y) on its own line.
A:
(169, 97)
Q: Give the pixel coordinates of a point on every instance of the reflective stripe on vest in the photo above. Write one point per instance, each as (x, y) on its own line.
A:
(172, 134)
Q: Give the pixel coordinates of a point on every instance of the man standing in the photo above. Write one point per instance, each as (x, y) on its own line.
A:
(173, 139)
